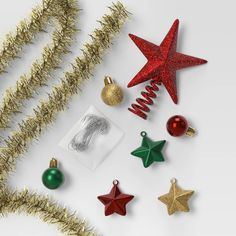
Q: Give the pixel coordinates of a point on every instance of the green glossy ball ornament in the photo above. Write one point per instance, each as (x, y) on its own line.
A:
(53, 178)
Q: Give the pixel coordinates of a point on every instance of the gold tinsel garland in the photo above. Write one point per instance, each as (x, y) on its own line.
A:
(44, 208)
(45, 113)
(65, 14)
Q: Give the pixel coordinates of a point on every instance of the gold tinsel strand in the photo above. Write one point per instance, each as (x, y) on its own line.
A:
(44, 208)
(65, 13)
(46, 111)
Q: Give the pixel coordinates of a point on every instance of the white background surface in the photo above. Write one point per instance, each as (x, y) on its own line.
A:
(205, 163)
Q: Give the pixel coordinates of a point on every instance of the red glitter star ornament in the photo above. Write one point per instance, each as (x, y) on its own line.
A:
(163, 62)
(115, 201)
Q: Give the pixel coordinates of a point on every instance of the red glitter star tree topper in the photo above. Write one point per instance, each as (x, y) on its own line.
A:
(163, 62)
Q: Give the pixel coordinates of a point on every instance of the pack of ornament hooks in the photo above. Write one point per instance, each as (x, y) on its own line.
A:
(92, 138)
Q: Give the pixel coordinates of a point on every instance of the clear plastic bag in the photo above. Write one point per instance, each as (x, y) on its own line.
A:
(89, 138)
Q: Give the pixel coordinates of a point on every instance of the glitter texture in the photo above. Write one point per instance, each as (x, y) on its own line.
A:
(163, 61)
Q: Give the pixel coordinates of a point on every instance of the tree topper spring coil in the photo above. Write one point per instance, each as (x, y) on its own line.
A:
(142, 104)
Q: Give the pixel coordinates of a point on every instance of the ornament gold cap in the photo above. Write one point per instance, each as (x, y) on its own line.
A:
(53, 163)
(108, 80)
(190, 132)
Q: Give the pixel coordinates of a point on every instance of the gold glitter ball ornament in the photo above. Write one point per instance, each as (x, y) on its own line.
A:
(112, 94)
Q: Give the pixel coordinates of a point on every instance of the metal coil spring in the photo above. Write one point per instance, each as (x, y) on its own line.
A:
(142, 104)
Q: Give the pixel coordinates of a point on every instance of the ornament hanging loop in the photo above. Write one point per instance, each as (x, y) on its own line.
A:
(115, 182)
(173, 181)
(143, 134)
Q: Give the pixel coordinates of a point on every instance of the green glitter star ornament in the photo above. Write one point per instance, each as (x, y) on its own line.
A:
(150, 151)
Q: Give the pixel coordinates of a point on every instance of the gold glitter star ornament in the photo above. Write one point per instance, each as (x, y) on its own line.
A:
(177, 198)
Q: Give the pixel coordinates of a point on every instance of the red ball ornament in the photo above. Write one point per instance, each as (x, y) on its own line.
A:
(177, 126)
